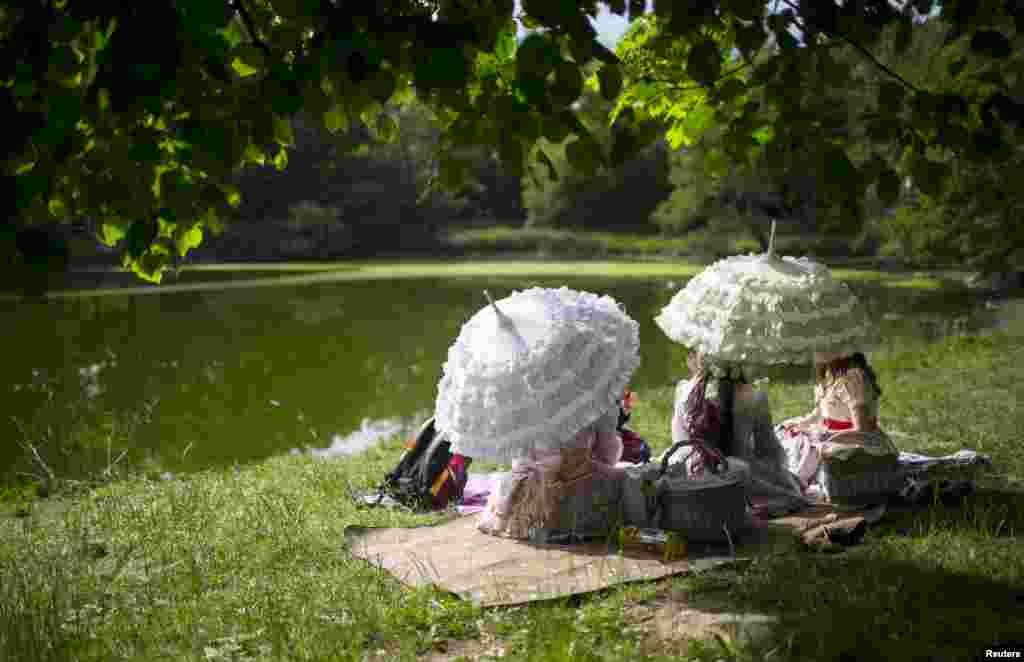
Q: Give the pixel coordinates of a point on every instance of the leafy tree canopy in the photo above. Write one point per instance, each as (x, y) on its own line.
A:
(137, 114)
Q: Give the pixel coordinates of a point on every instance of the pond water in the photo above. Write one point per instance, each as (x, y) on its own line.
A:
(198, 379)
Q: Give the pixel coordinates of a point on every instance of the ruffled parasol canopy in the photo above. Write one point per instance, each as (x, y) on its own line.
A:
(532, 370)
(765, 310)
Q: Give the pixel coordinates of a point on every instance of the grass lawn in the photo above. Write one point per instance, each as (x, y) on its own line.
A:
(220, 276)
(248, 563)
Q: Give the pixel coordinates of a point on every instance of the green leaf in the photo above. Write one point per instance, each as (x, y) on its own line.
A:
(505, 49)
(387, 129)
(336, 120)
(111, 232)
(991, 43)
(232, 195)
(280, 160)
(57, 208)
(696, 121)
(764, 135)
(150, 265)
(703, 63)
(242, 68)
(888, 187)
(645, 91)
(609, 77)
(188, 238)
(283, 133)
(233, 33)
(957, 66)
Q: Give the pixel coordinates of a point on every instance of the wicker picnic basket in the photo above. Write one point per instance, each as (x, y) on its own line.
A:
(702, 508)
(709, 509)
(867, 486)
(859, 475)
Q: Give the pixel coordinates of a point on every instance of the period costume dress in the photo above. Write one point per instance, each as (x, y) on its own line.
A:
(755, 446)
(535, 380)
(562, 489)
(806, 439)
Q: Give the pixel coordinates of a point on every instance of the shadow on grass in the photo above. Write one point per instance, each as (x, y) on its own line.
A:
(932, 583)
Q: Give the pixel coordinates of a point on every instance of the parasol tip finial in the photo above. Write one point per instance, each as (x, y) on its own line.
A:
(771, 240)
(504, 322)
(497, 311)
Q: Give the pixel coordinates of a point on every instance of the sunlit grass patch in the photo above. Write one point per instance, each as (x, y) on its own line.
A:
(250, 562)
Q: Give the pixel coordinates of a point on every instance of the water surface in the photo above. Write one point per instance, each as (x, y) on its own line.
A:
(207, 378)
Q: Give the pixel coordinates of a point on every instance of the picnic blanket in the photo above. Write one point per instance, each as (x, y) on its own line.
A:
(455, 556)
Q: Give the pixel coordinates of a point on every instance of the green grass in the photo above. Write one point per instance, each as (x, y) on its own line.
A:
(224, 276)
(249, 563)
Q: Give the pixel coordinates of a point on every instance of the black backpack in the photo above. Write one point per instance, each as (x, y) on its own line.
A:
(429, 476)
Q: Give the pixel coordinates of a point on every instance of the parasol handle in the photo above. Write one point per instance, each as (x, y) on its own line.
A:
(771, 240)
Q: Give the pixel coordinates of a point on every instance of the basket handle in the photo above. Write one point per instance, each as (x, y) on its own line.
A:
(712, 457)
(668, 454)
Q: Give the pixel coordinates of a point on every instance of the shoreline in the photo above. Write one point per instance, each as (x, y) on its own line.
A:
(92, 280)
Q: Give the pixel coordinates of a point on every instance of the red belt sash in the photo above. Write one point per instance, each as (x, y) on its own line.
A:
(834, 424)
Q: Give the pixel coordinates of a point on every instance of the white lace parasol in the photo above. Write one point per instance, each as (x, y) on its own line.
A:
(532, 370)
(763, 309)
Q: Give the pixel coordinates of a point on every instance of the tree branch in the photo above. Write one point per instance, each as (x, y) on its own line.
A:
(249, 26)
(689, 88)
(863, 51)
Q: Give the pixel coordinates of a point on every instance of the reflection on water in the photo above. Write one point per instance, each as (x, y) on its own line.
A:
(237, 375)
(368, 434)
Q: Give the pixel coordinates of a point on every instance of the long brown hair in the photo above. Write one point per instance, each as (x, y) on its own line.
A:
(835, 369)
(723, 438)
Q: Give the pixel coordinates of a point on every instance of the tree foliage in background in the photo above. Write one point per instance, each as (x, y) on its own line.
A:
(932, 101)
(138, 114)
(555, 194)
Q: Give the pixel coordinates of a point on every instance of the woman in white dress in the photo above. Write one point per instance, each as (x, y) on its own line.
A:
(846, 399)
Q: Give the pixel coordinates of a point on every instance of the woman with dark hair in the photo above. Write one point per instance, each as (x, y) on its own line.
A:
(720, 410)
(846, 399)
